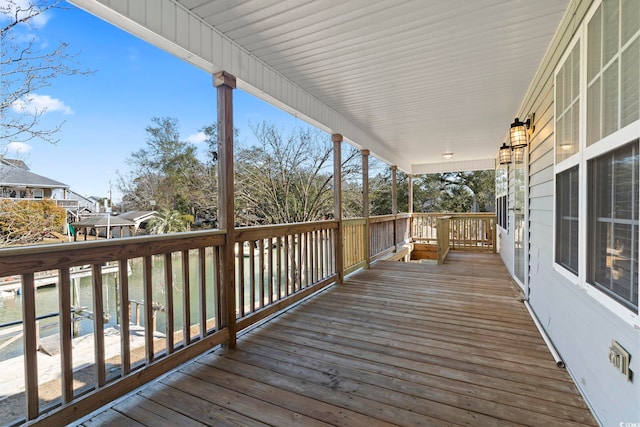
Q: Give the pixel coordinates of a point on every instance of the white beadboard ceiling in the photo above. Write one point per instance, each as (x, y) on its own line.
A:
(408, 80)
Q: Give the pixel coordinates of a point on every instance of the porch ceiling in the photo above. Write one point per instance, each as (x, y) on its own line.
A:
(408, 80)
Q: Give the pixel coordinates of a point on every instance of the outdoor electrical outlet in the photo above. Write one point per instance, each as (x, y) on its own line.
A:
(619, 358)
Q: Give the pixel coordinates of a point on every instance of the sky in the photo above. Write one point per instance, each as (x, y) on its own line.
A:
(105, 114)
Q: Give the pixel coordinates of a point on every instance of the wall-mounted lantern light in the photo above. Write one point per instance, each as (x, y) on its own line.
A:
(505, 154)
(518, 132)
(519, 139)
(518, 155)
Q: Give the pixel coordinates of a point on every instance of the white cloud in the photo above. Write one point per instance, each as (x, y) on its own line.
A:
(40, 104)
(197, 138)
(23, 6)
(18, 147)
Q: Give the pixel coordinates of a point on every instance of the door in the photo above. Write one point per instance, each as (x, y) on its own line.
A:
(519, 223)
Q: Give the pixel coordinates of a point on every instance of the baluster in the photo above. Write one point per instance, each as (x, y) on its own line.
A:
(125, 315)
(202, 291)
(186, 299)
(147, 291)
(270, 269)
(30, 342)
(64, 308)
(240, 278)
(252, 276)
(168, 289)
(216, 284)
(98, 324)
(279, 266)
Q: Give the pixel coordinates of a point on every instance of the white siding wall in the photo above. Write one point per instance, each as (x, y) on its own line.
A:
(505, 245)
(581, 328)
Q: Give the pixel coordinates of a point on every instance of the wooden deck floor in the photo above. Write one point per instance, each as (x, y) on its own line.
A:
(401, 344)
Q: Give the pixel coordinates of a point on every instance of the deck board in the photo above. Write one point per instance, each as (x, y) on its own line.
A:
(400, 344)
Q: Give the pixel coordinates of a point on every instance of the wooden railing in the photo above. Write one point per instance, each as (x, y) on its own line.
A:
(355, 235)
(386, 234)
(278, 265)
(120, 359)
(473, 231)
(180, 275)
(424, 227)
(461, 231)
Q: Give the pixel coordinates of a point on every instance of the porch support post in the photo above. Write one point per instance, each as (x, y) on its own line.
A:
(394, 203)
(365, 205)
(225, 83)
(410, 205)
(337, 204)
(410, 183)
(394, 189)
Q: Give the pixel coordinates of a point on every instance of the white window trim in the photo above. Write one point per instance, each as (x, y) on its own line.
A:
(511, 222)
(503, 194)
(574, 160)
(581, 158)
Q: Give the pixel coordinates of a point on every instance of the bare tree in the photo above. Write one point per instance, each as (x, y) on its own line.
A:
(287, 178)
(27, 66)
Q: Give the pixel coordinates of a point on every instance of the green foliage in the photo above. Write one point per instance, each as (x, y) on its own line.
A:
(24, 222)
(443, 192)
(166, 171)
(167, 221)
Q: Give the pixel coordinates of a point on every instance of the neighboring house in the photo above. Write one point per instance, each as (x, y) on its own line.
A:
(85, 204)
(139, 218)
(103, 225)
(17, 181)
(126, 224)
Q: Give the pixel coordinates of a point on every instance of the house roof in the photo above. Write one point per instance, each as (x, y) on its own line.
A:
(14, 162)
(77, 196)
(15, 176)
(408, 80)
(137, 215)
(103, 221)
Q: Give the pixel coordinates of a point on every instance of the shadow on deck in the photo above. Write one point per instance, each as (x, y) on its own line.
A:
(400, 344)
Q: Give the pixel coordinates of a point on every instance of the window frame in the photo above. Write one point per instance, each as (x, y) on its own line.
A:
(559, 216)
(591, 221)
(572, 161)
(502, 197)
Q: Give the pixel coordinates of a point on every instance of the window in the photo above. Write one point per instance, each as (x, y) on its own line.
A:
(567, 143)
(613, 224)
(502, 191)
(613, 68)
(567, 106)
(567, 219)
(501, 211)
